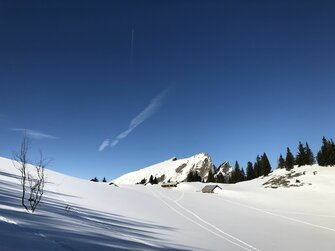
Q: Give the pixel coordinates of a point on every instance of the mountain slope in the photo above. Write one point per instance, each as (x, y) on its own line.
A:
(174, 170)
(76, 214)
(225, 169)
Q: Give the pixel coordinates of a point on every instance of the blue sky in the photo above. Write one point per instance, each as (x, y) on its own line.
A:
(231, 78)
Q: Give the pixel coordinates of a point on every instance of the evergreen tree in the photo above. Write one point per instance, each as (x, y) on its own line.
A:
(237, 174)
(193, 176)
(151, 179)
(143, 181)
(242, 175)
(257, 167)
(324, 155)
(301, 157)
(220, 178)
(155, 181)
(104, 180)
(210, 177)
(265, 165)
(232, 178)
(319, 158)
(289, 162)
(95, 179)
(250, 171)
(190, 177)
(234, 173)
(310, 160)
(332, 153)
(228, 179)
(281, 162)
(196, 176)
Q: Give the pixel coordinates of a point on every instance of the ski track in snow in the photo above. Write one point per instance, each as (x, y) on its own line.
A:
(236, 241)
(213, 226)
(276, 215)
(298, 213)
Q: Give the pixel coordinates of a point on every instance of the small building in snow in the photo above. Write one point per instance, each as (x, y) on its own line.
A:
(113, 184)
(211, 188)
(170, 184)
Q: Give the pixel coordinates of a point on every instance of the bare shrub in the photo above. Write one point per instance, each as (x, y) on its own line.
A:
(32, 183)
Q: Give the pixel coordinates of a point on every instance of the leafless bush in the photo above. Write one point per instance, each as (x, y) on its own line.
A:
(32, 184)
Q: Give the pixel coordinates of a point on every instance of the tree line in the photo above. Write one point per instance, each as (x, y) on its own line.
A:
(95, 179)
(262, 166)
(304, 156)
(152, 180)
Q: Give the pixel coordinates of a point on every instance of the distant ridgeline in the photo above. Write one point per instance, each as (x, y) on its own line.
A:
(199, 168)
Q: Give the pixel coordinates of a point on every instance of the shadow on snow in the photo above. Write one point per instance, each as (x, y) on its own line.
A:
(58, 226)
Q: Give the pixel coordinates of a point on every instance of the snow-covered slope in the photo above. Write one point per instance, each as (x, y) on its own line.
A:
(301, 176)
(79, 215)
(174, 170)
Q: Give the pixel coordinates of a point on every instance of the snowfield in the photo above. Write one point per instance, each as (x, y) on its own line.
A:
(76, 214)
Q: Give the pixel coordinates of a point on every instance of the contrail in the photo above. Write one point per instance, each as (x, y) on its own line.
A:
(104, 144)
(136, 121)
(34, 134)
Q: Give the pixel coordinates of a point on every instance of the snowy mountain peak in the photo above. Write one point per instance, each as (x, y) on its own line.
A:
(173, 170)
(223, 172)
(225, 168)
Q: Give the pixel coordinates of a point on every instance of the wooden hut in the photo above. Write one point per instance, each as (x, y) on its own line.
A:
(170, 184)
(210, 188)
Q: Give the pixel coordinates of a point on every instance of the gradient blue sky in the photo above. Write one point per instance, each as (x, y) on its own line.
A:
(240, 78)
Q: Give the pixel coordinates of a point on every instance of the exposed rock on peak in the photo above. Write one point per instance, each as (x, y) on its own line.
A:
(173, 170)
(225, 170)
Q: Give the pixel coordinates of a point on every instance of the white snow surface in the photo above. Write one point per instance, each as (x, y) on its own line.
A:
(167, 168)
(243, 216)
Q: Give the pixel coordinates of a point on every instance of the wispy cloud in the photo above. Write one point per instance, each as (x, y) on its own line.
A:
(34, 134)
(136, 121)
(104, 144)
